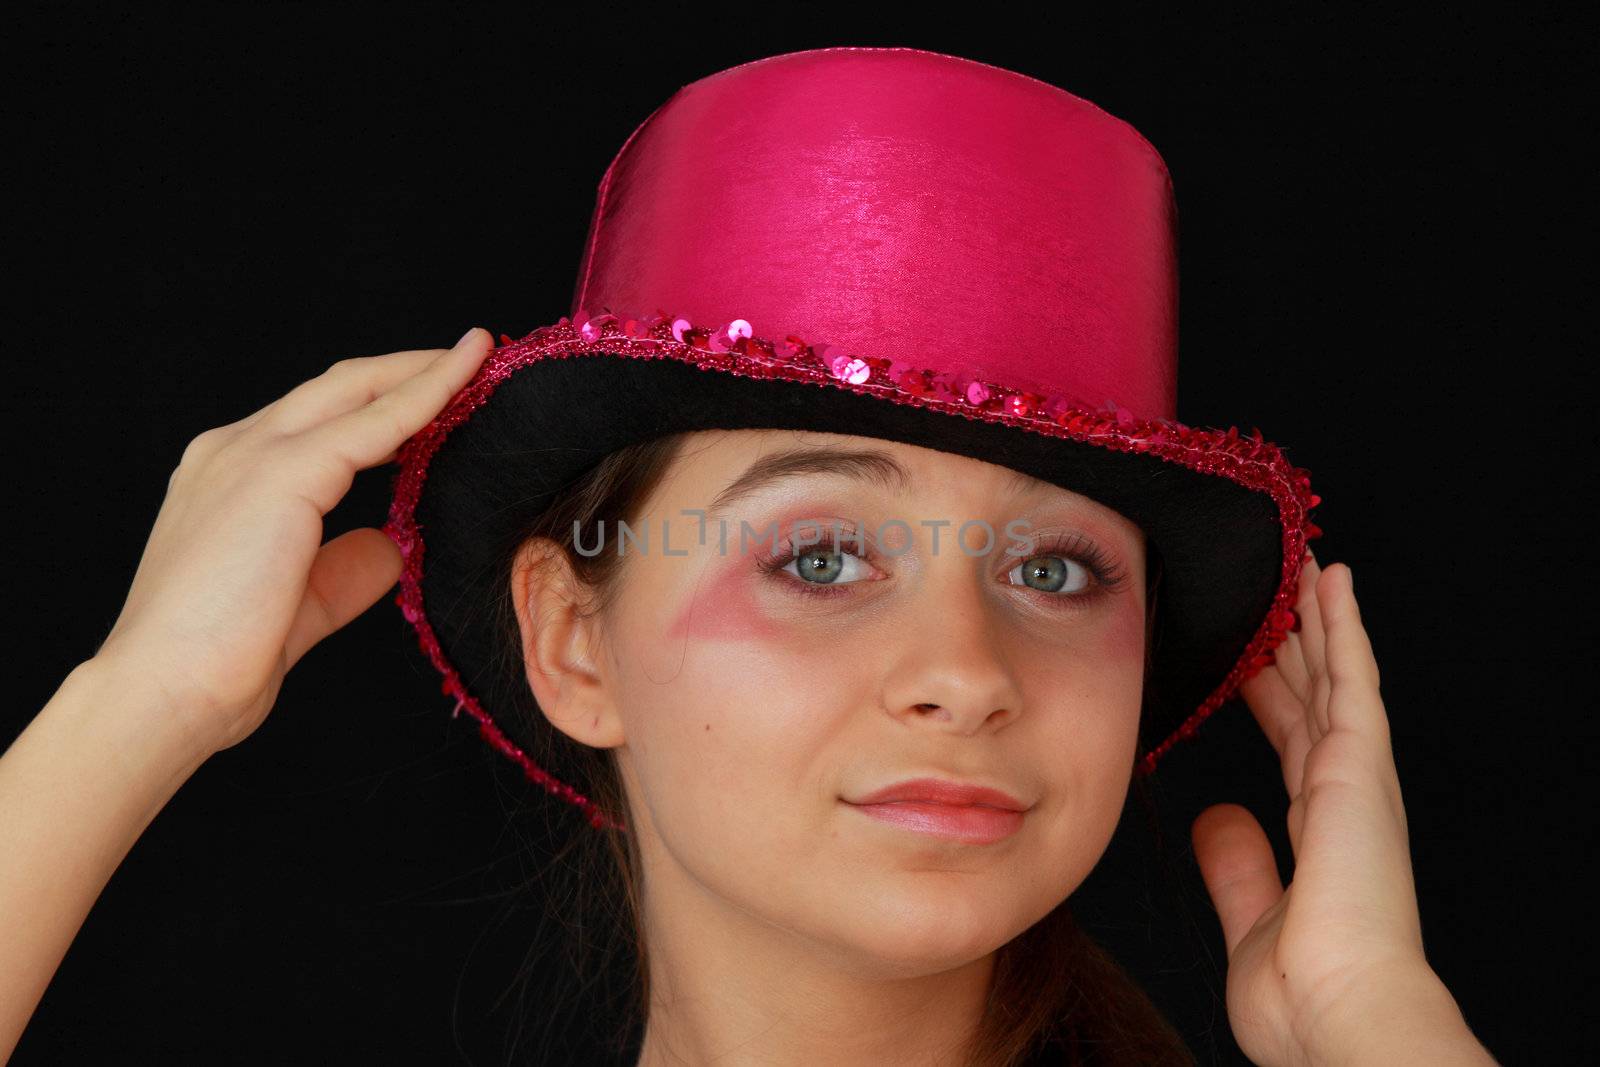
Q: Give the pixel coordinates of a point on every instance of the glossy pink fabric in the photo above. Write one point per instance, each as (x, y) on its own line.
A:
(915, 205)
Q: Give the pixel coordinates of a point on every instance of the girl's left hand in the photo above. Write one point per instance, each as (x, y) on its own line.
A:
(1331, 969)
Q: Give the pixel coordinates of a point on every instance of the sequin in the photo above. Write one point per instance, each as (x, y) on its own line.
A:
(915, 383)
(1020, 405)
(849, 369)
(1249, 460)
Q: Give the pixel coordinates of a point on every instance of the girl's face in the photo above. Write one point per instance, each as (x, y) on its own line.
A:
(751, 705)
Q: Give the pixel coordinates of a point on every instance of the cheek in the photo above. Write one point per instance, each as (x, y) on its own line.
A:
(1121, 641)
(1111, 665)
(726, 702)
(1091, 696)
(1099, 661)
(766, 665)
(725, 610)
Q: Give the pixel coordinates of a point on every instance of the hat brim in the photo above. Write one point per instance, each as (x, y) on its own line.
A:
(1231, 546)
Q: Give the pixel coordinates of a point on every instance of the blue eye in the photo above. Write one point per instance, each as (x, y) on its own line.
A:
(1071, 570)
(823, 567)
(820, 570)
(1052, 574)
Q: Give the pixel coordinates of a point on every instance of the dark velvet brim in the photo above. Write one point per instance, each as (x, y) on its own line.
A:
(1221, 545)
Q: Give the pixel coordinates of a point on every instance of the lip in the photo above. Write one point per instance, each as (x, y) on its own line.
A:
(956, 811)
(944, 791)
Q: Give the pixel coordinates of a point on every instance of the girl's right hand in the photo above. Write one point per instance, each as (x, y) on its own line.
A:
(235, 584)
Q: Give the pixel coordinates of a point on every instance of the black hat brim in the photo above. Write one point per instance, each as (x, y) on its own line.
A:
(1221, 542)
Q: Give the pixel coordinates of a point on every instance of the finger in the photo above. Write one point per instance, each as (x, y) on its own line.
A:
(344, 386)
(1282, 716)
(1290, 656)
(1311, 634)
(371, 434)
(1238, 868)
(1290, 659)
(349, 574)
(347, 384)
(1354, 702)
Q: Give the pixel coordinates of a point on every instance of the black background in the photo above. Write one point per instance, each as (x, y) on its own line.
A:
(1378, 218)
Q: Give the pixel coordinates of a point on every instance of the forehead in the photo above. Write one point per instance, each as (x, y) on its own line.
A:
(724, 467)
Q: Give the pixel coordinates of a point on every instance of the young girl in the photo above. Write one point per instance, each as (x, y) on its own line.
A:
(847, 651)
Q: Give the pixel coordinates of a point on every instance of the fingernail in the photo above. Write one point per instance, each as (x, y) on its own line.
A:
(464, 337)
(1349, 577)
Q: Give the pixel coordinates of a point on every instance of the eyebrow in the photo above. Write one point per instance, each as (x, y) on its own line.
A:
(871, 465)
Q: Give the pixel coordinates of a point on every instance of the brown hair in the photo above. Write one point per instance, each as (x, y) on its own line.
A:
(1057, 997)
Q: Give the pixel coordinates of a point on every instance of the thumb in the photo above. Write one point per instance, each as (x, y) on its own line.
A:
(1238, 868)
(347, 577)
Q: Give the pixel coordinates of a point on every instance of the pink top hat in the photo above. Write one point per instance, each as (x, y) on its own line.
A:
(892, 243)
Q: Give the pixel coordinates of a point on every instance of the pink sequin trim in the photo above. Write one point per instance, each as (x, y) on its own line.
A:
(1248, 460)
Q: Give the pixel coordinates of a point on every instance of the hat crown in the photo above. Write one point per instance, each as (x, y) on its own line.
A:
(904, 204)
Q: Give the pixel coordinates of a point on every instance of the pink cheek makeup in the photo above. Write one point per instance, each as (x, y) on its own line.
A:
(730, 607)
(726, 610)
(1124, 636)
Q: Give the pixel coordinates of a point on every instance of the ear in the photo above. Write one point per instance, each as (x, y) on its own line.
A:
(560, 646)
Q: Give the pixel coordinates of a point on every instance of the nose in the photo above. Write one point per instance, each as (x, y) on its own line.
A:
(949, 670)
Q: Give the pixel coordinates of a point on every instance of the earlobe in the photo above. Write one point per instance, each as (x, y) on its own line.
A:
(558, 640)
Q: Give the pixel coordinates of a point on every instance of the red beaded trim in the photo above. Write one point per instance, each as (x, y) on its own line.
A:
(1250, 461)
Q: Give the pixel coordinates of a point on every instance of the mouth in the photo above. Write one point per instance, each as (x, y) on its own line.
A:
(931, 790)
(973, 824)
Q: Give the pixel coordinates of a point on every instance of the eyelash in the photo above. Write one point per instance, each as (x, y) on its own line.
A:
(1104, 573)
